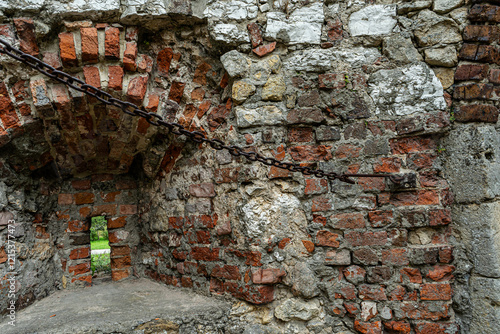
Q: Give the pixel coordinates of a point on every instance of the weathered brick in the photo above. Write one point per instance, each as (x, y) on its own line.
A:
(67, 49)
(255, 34)
(481, 53)
(326, 238)
(84, 198)
(424, 311)
(202, 190)
(332, 80)
(121, 262)
(115, 75)
(226, 175)
(112, 43)
(268, 276)
(397, 327)
(79, 269)
(316, 186)
(395, 257)
(90, 45)
(27, 38)
(473, 91)
(412, 274)
(380, 218)
(263, 50)
(471, 72)
(92, 76)
(305, 116)
(79, 253)
(128, 209)
(338, 257)
(477, 113)
(205, 254)
(441, 273)
(8, 115)
(371, 292)
(65, 199)
(485, 34)
(176, 91)
(137, 89)
(163, 60)
(366, 238)
(321, 204)
(311, 153)
(365, 256)
(130, 56)
(435, 292)
(484, 13)
(348, 221)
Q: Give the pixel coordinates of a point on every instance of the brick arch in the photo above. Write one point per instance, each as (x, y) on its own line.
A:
(87, 137)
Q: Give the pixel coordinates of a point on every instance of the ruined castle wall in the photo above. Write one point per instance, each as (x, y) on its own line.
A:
(345, 86)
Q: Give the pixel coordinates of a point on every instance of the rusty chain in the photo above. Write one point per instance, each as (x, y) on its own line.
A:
(156, 120)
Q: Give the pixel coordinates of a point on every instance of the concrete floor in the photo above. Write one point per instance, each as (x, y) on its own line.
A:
(113, 307)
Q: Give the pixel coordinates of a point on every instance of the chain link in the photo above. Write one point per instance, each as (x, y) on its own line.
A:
(156, 120)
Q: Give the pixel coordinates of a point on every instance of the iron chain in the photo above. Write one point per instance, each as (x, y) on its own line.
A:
(156, 120)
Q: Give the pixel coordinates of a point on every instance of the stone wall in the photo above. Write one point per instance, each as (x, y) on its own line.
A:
(346, 86)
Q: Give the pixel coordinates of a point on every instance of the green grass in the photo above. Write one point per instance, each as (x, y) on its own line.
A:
(99, 244)
(100, 263)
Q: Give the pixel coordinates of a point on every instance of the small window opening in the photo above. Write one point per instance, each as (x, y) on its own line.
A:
(100, 260)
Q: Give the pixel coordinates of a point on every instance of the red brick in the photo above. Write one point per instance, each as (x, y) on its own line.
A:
(92, 76)
(435, 292)
(332, 81)
(421, 197)
(218, 115)
(397, 327)
(335, 32)
(395, 257)
(484, 13)
(117, 275)
(27, 38)
(117, 222)
(130, 56)
(176, 91)
(81, 184)
(202, 190)
(371, 292)
(471, 72)
(326, 238)
(144, 63)
(387, 165)
(186, 282)
(65, 199)
(120, 251)
(268, 276)
(473, 91)
(477, 113)
(300, 135)
(126, 184)
(424, 311)
(439, 217)
(78, 226)
(137, 89)
(485, 34)
(198, 94)
(309, 245)
(8, 115)
(112, 43)
(311, 153)
(128, 209)
(316, 186)
(115, 74)
(446, 254)
(413, 275)
(411, 144)
(263, 50)
(79, 253)
(67, 49)
(104, 210)
(90, 45)
(321, 204)
(441, 273)
(368, 327)
(84, 198)
(227, 272)
(481, 53)
(494, 76)
(366, 238)
(86, 278)
(79, 269)
(347, 151)
(255, 34)
(205, 254)
(436, 328)
(200, 74)
(348, 221)
(121, 262)
(380, 218)
(226, 175)
(163, 60)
